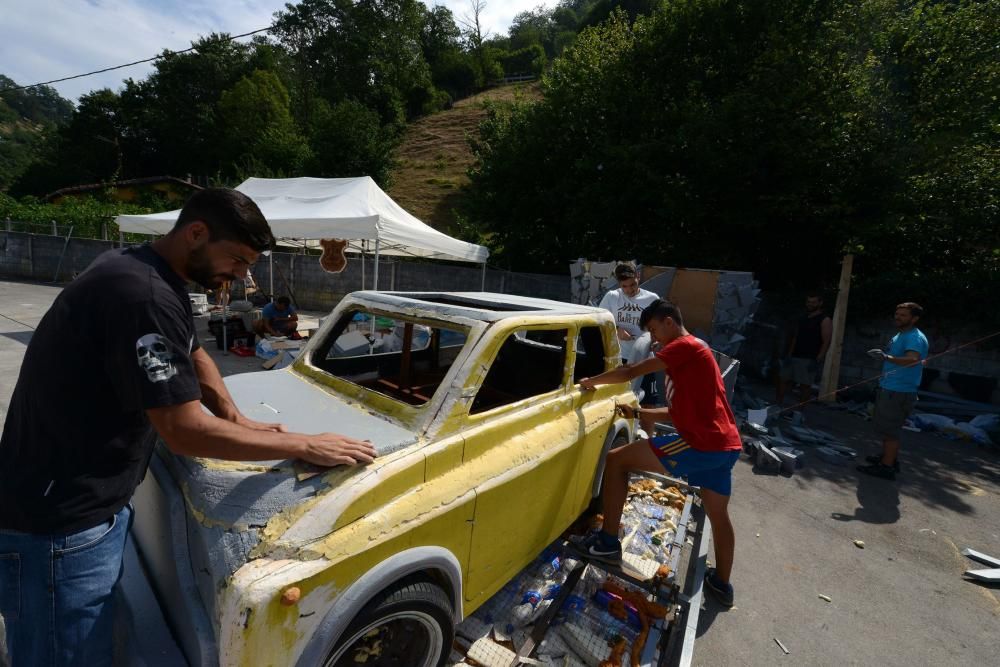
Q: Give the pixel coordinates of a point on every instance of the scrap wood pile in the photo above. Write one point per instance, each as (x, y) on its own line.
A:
(605, 621)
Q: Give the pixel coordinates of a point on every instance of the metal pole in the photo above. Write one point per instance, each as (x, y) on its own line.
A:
(270, 273)
(363, 242)
(62, 254)
(375, 277)
(482, 287)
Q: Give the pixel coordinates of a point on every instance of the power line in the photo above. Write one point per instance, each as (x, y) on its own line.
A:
(137, 62)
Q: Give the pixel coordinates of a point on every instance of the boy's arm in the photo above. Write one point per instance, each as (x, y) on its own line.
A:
(624, 373)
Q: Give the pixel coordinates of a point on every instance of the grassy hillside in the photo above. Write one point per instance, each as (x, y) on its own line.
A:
(432, 161)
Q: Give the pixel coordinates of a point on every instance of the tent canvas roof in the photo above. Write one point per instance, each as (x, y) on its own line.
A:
(356, 209)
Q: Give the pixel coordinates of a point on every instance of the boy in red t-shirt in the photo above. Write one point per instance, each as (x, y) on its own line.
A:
(704, 449)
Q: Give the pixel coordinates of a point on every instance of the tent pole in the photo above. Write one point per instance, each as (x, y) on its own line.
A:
(270, 273)
(362, 264)
(482, 287)
(371, 347)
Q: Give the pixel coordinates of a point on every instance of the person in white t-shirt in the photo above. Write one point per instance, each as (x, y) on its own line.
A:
(627, 303)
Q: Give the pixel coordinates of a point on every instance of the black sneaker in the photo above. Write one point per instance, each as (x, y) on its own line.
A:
(878, 470)
(600, 546)
(720, 591)
(874, 458)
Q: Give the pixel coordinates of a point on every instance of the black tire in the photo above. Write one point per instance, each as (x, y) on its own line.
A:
(410, 624)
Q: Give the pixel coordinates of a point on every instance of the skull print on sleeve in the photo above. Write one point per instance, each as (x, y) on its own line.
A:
(152, 354)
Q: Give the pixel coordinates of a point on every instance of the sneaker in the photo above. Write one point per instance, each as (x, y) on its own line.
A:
(878, 470)
(720, 591)
(874, 458)
(600, 546)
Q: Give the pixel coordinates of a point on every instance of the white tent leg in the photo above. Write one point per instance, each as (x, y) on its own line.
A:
(482, 286)
(377, 246)
(362, 265)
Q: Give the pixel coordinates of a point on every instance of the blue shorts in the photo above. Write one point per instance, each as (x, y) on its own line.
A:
(709, 470)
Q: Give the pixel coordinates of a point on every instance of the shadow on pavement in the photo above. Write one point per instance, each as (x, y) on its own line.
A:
(937, 471)
(22, 337)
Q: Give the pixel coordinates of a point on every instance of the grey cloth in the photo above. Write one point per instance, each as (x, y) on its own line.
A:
(799, 370)
(891, 410)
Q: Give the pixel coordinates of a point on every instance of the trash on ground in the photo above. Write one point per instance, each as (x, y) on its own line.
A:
(783, 648)
(859, 544)
(825, 597)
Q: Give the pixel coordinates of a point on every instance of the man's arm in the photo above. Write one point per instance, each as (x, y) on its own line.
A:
(188, 431)
(826, 332)
(648, 417)
(910, 358)
(624, 373)
(216, 396)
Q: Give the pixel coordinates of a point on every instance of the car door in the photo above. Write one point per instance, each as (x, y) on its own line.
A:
(521, 453)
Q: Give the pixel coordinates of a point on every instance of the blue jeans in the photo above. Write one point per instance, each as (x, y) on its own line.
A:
(56, 593)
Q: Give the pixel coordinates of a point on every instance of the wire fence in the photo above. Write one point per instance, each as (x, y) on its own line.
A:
(108, 232)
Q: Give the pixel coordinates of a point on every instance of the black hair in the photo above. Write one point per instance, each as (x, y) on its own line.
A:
(916, 310)
(283, 300)
(815, 294)
(229, 215)
(658, 310)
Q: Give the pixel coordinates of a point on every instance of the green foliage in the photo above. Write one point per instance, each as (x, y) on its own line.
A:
(38, 104)
(529, 60)
(764, 136)
(348, 139)
(85, 215)
(259, 125)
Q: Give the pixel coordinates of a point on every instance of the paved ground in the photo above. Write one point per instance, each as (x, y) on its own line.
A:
(899, 601)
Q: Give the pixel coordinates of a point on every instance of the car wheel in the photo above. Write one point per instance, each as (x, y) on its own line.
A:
(407, 625)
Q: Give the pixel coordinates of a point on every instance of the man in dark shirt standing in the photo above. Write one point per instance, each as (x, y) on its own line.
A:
(806, 350)
(114, 362)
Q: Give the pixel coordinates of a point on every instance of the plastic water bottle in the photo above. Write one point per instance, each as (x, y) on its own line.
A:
(552, 571)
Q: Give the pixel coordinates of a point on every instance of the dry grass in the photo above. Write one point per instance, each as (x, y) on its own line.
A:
(434, 157)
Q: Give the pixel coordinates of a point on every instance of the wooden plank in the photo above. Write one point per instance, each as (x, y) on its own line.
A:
(831, 365)
(694, 292)
(992, 576)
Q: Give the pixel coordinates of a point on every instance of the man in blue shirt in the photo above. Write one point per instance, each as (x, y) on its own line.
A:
(278, 319)
(902, 367)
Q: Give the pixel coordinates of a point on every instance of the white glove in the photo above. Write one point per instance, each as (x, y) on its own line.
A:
(876, 353)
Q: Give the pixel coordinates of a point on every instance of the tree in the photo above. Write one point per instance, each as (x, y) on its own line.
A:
(259, 126)
(764, 136)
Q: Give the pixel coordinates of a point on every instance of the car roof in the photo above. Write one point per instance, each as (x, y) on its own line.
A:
(485, 306)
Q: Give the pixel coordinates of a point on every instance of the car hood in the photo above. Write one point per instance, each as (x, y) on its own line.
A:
(227, 503)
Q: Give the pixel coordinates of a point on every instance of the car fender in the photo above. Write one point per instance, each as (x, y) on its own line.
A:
(352, 601)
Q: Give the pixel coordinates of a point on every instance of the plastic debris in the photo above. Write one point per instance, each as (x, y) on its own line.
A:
(859, 544)
(825, 597)
(783, 648)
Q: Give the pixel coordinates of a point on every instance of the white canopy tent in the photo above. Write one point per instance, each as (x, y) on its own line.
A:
(301, 210)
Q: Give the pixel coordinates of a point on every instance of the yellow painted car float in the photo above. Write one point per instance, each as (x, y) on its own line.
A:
(488, 450)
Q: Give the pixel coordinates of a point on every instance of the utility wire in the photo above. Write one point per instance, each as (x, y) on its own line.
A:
(137, 62)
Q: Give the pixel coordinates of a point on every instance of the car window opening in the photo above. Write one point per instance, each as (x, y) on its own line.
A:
(530, 363)
(403, 359)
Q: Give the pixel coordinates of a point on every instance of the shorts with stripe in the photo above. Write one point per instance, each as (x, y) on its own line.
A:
(709, 470)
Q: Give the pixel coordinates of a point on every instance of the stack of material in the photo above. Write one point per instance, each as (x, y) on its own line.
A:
(736, 303)
(590, 281)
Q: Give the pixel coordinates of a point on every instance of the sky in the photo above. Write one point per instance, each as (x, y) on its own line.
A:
(41, 40)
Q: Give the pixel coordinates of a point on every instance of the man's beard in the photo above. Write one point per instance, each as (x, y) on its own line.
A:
(199, 269)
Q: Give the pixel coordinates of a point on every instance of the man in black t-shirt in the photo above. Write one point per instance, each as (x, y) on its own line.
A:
(806, 350)
(114, 362)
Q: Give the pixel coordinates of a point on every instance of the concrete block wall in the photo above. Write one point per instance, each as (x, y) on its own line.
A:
(36, 256)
